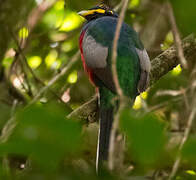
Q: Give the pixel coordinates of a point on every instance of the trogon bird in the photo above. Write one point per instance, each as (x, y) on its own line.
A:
(133, 65)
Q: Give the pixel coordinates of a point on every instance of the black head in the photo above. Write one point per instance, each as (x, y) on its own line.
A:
(97, 11)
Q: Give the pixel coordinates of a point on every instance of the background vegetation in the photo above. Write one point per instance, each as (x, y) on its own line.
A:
(42, 81)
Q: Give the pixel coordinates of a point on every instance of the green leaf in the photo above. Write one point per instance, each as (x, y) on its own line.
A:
(44, 134)
(188, 152)
(146, 137)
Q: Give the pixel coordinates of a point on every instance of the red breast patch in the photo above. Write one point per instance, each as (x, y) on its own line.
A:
(88, 70)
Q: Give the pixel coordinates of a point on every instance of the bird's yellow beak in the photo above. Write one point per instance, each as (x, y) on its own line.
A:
(83, 13)
(91, 12)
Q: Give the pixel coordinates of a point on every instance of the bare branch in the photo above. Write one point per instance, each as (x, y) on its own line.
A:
(118, 6)
(184, 139)
(176, 34)
(166, 61)
(87, 111)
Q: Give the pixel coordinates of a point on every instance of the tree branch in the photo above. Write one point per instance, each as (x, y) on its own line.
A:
(176, 34)
(166, 61)
(87, 111)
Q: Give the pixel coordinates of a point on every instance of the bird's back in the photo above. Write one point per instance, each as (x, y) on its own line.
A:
(128, 65)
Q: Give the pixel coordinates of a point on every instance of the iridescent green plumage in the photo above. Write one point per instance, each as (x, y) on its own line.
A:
(128, 65)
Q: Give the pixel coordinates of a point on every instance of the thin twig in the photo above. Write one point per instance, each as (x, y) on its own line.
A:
(8, 129)
(118, 6)
(111, 158)
(176, 35)
(115, 46)
(24, 59)
(186, 101)
(169, 93)
(86, 111)
(13, 109)
(164, 104)
(57, 77)
(186, 134)
(24, 63)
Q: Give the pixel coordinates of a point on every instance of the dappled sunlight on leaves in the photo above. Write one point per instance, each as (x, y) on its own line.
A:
(177, 70)
(169, 40)
(192, 172)
(144, 95)
(137, 103)
(23, 33)
(67, 46)
(72, 78)
(72, 21)
(34, 61)
(52, 61)
(7, 62)
(134, 3)
(59, 5)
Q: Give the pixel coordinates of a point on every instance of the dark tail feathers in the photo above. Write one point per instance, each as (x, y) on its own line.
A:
(105, 122)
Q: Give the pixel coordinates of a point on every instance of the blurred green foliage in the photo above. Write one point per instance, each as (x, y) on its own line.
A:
(146, 137)
(188, 152)
(185, 15)
(45, 135)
